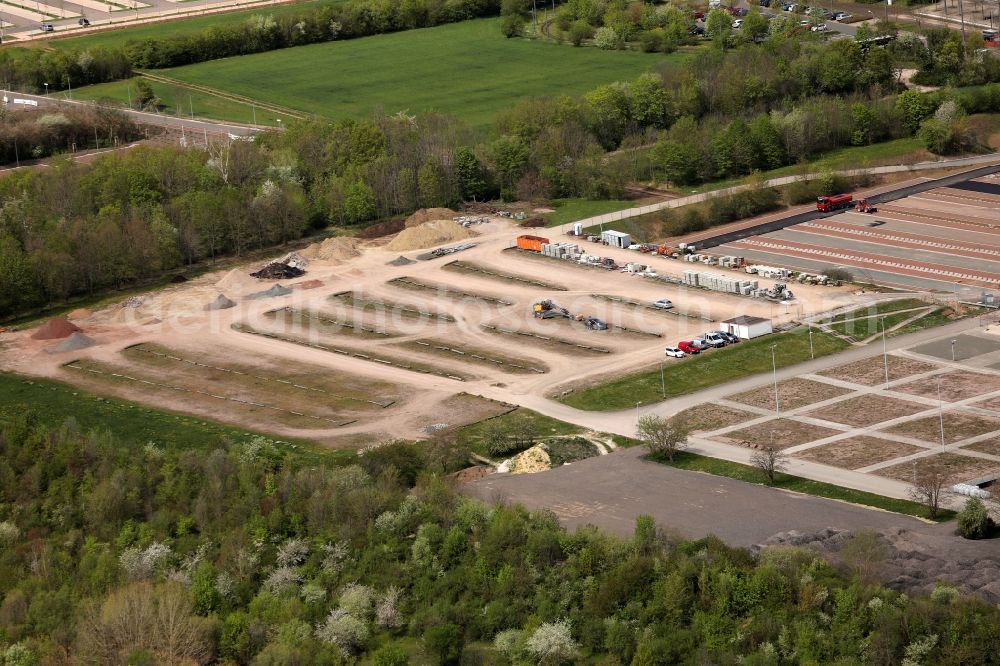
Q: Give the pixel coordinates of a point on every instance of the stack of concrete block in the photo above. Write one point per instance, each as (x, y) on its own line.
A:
(718, 282)
(560, 250)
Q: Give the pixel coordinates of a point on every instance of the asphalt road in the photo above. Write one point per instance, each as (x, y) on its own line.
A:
(159, 120)
(611, 491)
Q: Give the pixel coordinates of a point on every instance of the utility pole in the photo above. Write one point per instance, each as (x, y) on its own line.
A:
(961, 18)
(885, 354)
(940, 410)
(663, 383)
(812, 354)
(774, 370)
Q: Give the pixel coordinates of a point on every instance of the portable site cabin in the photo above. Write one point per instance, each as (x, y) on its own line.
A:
(747, 327)
(616, 238)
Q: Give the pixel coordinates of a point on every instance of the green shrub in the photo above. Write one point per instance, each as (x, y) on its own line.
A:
(974, 520)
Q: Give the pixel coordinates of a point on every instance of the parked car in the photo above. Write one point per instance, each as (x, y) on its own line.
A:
(595, 324)
(663, 304)
(687, 347)
(764, 3)
(84, 22)
(47, 27)
(713, 339)
(696, 30)
(701, 344)
(842, 16)
(699, 16)
(737, 23)
(675, 352)
(730, 338)
(819, 28)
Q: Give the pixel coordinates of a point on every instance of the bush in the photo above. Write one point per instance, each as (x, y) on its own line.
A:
(444, 644)
(579, 31)
(390, 655)
(607, 39)
(974, 520)
(512, 25)
(841, 274)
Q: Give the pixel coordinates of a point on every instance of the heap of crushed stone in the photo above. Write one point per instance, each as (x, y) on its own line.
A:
(74, 342)
(221, 303)
(401, 261)
(425, 215)
(276, 290)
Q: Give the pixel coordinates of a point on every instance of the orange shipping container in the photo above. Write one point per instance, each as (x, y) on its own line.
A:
(533, 243)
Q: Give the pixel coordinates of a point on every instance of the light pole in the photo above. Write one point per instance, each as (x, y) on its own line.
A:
(774, 371)
(663, 383)
(885, 354)
(46, 84)
(811, 353)
(637, 414)
(953, 350)
(940, 410)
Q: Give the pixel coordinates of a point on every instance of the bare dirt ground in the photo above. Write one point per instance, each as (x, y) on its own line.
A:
(792, 393)
(957, 426)
(954, 467)
(866, 410)
(778, 433)
(713, 417)
(954, 386)
(990, 446)
(176, 318)
(871, 371)
(857, 452)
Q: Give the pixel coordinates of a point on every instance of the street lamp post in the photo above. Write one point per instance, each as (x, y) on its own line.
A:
(940, 410)
(812, 354)
(46, 88)
(953, 350)
(663, 383)
(774, 372)
(637, 414)
(885, 354)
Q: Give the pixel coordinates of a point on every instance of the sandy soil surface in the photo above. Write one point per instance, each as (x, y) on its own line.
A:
(777, 433)
(871, 371)
(954, 386)
(955, 468)
(857, 452)
(866, 410)
(176, 317)
(793, 393)
(957, 426)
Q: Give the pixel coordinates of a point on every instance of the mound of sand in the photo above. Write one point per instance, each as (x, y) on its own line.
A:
(79, 313)
(220, 303)
(425, 215)
(339, 248)
(307, 284)
(236, 280)
(437, 232)
(276, 290)
(74, 342)
(535, 459)
(56, 328)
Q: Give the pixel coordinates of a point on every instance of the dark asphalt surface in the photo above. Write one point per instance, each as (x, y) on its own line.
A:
(611, 491)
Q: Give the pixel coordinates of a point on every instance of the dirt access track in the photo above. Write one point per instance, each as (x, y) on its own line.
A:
(458, 332)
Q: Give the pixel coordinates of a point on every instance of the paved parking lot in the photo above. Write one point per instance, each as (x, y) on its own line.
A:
(611, 491)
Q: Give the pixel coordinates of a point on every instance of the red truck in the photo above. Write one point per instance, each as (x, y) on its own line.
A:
(835, 202)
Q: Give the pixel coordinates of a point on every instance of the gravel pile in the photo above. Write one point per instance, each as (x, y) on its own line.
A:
(74, 342)
(221, 303)
(276, 290)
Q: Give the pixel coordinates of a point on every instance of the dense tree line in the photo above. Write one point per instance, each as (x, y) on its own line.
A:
(121, 552)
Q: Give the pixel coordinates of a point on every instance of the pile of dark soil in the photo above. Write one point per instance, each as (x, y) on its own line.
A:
(56, 328)
(278, 271)
(381, 229)
(534, 222)
(178, 279)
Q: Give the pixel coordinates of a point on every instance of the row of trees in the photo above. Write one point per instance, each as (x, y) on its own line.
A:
(119, 552)
(32, 134)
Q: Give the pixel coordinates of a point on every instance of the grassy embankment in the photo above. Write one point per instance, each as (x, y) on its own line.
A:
(865, 322)
(468, 70)
(711, 368)
(53, 402)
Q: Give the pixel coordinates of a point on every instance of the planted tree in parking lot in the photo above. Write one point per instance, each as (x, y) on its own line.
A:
(928, 484)
(769, 461)
(662, 436)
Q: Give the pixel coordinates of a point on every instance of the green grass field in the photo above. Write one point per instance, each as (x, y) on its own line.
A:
(711, 368)
(114, 38)
(570, 210)
(467, 69)
(181, 100)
